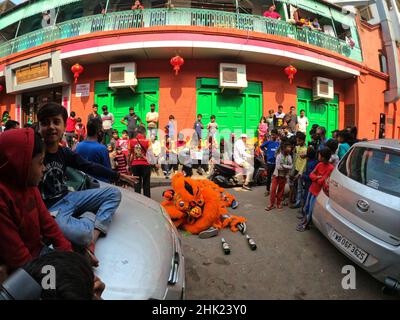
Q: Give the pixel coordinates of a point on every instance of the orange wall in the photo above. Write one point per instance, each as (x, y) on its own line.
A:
(370, 105)
(178, 93)
(7, 103)
(371, 42)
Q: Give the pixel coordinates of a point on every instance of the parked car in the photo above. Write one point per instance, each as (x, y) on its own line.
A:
(141, 257)
(360, 211)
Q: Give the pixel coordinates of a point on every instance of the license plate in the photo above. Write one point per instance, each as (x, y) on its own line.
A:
(349, 247)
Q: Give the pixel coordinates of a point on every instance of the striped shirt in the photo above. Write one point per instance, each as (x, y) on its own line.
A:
(121, 163)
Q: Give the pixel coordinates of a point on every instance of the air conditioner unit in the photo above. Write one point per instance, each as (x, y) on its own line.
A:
(322, 88)
(122, 75)
(232, 76)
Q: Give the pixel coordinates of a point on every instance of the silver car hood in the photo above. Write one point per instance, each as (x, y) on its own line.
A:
(135, 256)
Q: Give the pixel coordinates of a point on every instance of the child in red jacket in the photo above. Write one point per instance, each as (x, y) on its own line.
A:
(319, 178)
(25, 222)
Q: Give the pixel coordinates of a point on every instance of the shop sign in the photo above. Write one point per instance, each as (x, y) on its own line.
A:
(82, 90)
(33, 72)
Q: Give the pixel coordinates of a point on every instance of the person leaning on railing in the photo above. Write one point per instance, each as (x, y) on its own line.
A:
(137, 5)
(271, 13)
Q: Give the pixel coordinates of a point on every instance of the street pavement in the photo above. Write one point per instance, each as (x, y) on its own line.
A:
(286, 265)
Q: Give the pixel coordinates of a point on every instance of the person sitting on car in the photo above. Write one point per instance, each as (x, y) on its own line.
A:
(73, 211)
(25, 222)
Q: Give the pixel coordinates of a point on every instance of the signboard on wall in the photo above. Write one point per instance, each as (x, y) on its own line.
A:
(82, 90)
(33, 72)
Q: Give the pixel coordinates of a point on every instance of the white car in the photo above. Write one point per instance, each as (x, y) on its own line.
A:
(360, 214)
(141, 257)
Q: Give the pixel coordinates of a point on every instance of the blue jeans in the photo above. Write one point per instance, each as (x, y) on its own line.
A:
(80, 212)
(309, 206)
(300, 190)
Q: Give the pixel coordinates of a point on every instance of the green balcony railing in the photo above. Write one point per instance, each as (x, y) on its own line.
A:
(176, 17)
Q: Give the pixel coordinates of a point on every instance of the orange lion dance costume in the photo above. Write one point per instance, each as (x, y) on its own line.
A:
(196, 205)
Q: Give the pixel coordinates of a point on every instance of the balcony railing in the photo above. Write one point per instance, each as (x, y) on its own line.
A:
(176, 17)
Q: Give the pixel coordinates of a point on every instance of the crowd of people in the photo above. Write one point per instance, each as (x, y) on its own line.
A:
(301, 22)
(36, 204)
(289, 160)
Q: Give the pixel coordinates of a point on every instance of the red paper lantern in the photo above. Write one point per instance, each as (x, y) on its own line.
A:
(177, 62)
(77, 69)
(290, 72)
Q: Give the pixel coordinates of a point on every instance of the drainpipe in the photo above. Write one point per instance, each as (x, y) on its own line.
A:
(394, 120)
(393, 94)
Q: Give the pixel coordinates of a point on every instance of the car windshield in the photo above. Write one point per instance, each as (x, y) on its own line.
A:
(375, 168)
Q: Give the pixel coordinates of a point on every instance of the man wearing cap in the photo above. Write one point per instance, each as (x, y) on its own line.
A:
(242, 158)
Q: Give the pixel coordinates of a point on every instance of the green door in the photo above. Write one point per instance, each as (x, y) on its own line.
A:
(319, 112)
(229, 110)
(103, 100)
(119, 101)
(236, 112)
(123, 100)
(253, 112)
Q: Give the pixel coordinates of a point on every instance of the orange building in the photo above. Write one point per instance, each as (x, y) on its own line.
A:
(234, 61)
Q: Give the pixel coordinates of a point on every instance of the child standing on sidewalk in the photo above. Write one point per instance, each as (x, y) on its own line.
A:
(121, 164)
(212, 128)
(123, 143)
(318, 177)
(283, 166)
(300, 163)
(270, 148)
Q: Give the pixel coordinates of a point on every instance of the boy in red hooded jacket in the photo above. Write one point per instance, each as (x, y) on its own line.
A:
(24, 219)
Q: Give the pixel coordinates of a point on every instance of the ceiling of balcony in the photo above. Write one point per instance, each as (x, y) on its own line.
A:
(205, 53)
